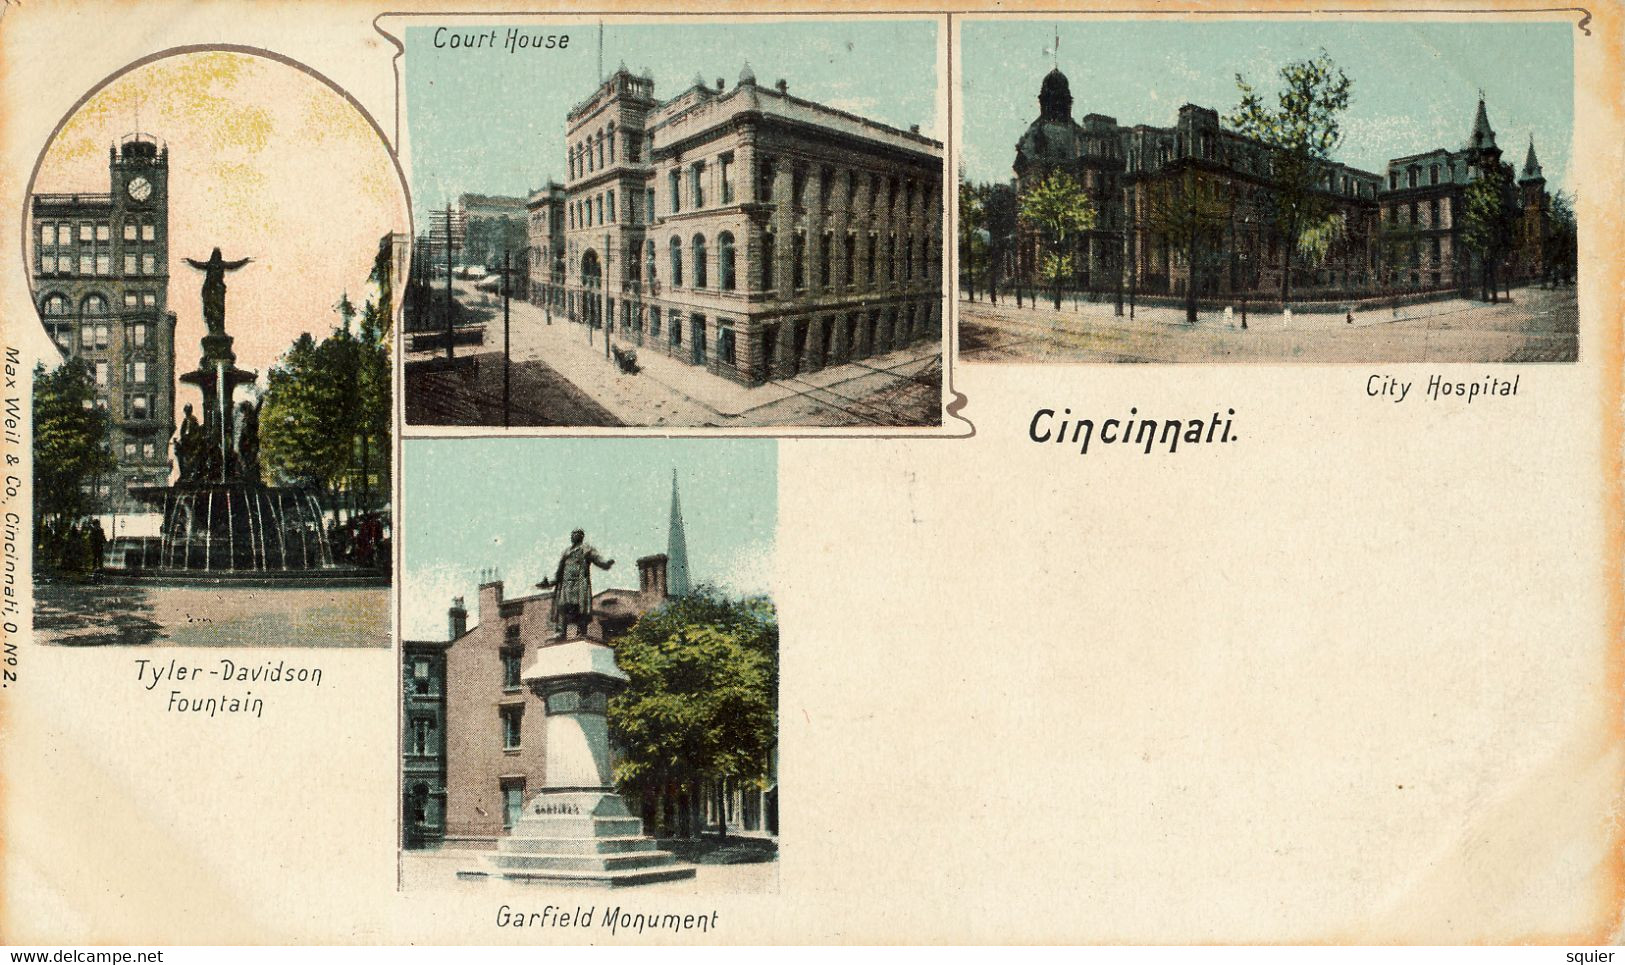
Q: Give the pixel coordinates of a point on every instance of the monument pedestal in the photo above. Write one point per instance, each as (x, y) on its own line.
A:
(577, 830)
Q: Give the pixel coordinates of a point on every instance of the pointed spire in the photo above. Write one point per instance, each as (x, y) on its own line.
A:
(1483, 136)
(1531, 164)
(676, 546)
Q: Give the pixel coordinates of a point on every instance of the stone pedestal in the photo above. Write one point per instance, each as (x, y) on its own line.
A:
(577, 830)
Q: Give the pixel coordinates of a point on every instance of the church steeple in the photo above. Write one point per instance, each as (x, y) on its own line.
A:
(676, 547)
(1531, 165)
(1483, 136)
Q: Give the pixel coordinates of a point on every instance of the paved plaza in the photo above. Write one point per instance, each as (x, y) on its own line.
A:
(1537, 325)
(720, 869)
(559, 376)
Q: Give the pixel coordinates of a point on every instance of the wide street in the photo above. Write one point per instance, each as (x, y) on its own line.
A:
(559, 376)
(1536, 326)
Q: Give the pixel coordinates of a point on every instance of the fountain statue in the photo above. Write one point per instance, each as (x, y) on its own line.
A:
(220, 518)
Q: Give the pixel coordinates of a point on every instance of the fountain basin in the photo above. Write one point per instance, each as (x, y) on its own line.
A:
(223, 529)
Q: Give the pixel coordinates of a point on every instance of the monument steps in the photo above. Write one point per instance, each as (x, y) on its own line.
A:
(596, 879)
(581, 862)
(616, 845)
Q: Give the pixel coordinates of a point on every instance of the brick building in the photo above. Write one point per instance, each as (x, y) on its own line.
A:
(100, 267)
(745, 230)
(492, 225)
(1398, 232)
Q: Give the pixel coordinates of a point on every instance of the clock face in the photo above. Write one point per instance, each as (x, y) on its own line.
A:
(140, 189)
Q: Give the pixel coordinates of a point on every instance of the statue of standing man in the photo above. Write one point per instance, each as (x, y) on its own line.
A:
(572, 584)
(214, 288)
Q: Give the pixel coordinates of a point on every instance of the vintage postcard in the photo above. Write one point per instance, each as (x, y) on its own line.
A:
(461, 462)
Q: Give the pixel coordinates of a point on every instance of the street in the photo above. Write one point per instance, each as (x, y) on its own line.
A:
(1536, 326)
(559, 376)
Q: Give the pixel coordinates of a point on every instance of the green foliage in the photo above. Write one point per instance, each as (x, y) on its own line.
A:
(1487, 213)
(1301, 131)
(487, 238)
(1059, 208)
(1057, 268)
(1191, 211)
(70, 441)
(1319, 238)
(702, 701)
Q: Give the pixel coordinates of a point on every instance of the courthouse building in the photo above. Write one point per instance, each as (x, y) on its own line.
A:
(744, 230)
(1400, 230)
(100, 268)
(474, 736)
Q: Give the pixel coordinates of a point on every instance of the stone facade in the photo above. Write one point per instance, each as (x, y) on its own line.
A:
(1400, 232)
(100, 266)
(745, 230)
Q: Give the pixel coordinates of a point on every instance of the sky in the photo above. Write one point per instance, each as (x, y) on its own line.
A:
(510, 504)
(1415, 85)
(492, 122)
(265, 162)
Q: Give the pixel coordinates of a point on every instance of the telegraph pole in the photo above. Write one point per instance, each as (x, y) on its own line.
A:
(507, 266)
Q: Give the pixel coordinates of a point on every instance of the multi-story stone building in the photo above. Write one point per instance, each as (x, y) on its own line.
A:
(748, 231)
(545, 246)
(1399, 233)
(493, 226)
(101, 283)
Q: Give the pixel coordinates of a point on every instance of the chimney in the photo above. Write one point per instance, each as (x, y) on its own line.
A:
(458, 617)
(783, 86)
(914, 128)
(652, 577)
(491, 599)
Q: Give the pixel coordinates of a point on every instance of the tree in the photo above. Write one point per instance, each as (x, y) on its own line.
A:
(1562, 239)
(1301, 132)
(1487, 228)
(309, 410)
(972, 234)
(1001, 212)
(1060, 209)
(1191, 213)
(70, 452)
(701, 703)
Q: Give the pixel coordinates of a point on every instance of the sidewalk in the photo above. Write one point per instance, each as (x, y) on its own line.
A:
(669, 392)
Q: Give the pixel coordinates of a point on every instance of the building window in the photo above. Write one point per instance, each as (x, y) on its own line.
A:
(511, 656)
(798, 260)
(611, 205)
(696, 192)
(725, 259)
(422, 736)
(513, 801)
(420, 677)
(798, 186)
(86, 232)
(129, 450)
(64, 234)
(654, 322)
(870, 268)
(149, 300)
(826, 186)
(676, 327)
(764, 180)
(891, 257)
(726, 176)
(147, 231)
(699, 261)
(94, 305)
(675, 183)
(649, 263)
(104, 263)
(129, 264)
(649, 203)
(147, 450)
(600, 218)
(769, 251)
(47, 234)
(725, 342)
(698, 322)
(908, 260)
(55, 305)
(138, 372)
(101, 371)
(826, 252)
(1433, 174)
(87, 263)
(138, 407)
(1433, 213)
(511, 718)
(676, 262)
(851, 258)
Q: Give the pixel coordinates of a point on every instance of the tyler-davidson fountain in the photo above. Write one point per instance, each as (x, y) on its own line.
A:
(220, 520)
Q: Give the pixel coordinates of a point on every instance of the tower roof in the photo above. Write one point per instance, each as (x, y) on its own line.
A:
(1055, 96)
(1531, 164)
(676, 547)
(1483, 136)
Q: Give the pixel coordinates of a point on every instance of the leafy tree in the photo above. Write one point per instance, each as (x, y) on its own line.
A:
(1562, 239)
(309, 408)
(70, 451)
(973, 242)
(1060, 209)
(1191, 212)
(1001, 211)
(1487, 223)
(1301, 132)
(701, 705)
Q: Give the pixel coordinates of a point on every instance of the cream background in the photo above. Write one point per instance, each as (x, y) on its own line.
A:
(1353, 677)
